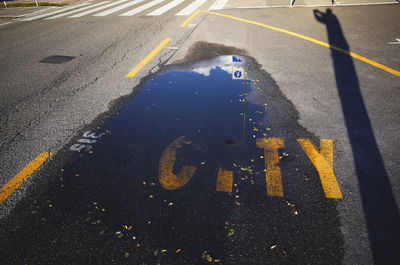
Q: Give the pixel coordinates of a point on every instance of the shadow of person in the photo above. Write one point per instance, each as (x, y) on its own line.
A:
(378, 202)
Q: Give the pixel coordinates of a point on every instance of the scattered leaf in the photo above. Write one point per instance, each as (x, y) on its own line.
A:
(119, 234)
(274, 246)
(231, 232)
(178, 250)
(170, 204)
(126, 254)
(163, 251)
(152, 184)
(151, 196)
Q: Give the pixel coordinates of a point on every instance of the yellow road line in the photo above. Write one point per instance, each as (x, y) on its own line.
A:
(148, 58)
(225, 180)
(323, 162)
(273, 176)
(190, 18)
(20, 178)
(356, 56)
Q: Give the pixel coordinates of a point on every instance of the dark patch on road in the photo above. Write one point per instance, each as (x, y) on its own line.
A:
(108, 207)
(57, 59)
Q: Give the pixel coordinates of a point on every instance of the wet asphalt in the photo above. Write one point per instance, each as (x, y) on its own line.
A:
(100, 200)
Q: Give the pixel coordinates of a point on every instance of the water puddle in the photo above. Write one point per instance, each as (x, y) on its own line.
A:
(178, 176)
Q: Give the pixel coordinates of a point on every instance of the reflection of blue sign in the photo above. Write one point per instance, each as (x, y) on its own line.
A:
(238, 74)
(236, 60)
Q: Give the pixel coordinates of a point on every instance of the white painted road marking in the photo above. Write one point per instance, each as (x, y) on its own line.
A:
(165, 8)
(191, 8)
(395, 42)
(77, 10)
(141, 8)
(54, 12)
(99, 8)
(5, 24)
(118, 8)
(219, 4)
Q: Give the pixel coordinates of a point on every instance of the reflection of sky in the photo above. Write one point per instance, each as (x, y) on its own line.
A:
(224, 62)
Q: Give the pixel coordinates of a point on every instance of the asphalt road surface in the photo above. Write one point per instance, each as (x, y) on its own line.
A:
(143, 132)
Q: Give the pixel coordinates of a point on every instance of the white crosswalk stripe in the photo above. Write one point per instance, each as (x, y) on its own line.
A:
(142, 8)
(98, 8)
(78, 10)
(107, 7)
(191, 8)
(219, 4)
(54, 12)
(165, 8)
(118, 8)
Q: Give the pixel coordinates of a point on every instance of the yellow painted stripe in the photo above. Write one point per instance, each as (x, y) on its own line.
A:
(20, 178)
(148, 58)
(225, 180)
(273, 176)
(323, 162)
(356, 56)
(190, 18)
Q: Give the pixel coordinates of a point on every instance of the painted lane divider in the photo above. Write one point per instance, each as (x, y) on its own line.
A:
(147, 59)
(356, 56)
(322, 161)
(23, 175)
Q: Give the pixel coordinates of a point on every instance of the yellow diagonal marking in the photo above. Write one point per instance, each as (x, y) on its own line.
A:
(356, 56)
(190, 18)
(20, 178)
(148, 58)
